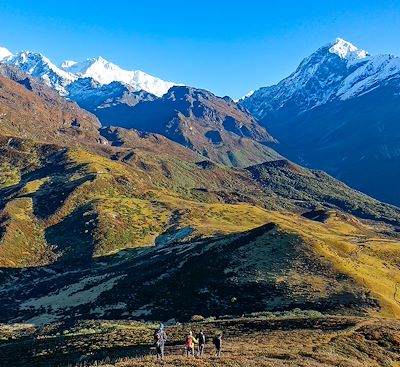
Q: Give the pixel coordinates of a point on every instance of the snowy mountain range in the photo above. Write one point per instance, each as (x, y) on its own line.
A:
(338, 70)
(98, 69)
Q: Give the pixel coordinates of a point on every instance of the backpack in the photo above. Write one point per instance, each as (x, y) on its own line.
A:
(157, 339)
(189, 342)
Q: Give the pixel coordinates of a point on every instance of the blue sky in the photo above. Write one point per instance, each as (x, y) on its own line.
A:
(228, 47)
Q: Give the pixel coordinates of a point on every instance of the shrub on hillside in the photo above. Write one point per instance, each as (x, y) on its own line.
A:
(197, 318)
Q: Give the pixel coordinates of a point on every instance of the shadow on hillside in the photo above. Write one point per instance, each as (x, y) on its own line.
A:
(50, 195)
(80, 224)
(253, 271)
(10, 192)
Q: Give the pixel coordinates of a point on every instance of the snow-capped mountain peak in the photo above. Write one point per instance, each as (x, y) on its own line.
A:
(77, 67)
(99, 69)
(346, 50)
(25, 58)
(105, 72)
(4, 52)
(40, 66)
(338, 70)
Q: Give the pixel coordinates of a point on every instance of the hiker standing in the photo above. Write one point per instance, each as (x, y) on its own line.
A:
(190, 342)
(217, 341)
(202, 342)
(160, 337)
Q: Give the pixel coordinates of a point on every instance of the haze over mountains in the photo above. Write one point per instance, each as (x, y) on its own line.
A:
(171, 184)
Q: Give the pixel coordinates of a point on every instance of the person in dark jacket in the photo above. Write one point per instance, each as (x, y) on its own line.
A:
(202, 342)
(217, 341)
(160, 338)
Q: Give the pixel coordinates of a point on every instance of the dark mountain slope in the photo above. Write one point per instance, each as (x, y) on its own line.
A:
(308, 189)
(359, 143)
(214, 127)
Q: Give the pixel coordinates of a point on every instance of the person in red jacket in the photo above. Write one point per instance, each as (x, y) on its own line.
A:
(190, 342)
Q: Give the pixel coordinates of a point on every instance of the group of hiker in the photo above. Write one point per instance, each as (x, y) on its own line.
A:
(194, 345)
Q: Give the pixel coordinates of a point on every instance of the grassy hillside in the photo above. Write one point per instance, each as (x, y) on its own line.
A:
(272, 237)
(339, 265)
(86, 204)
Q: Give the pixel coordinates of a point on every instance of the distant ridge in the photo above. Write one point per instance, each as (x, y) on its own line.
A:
(98, 69)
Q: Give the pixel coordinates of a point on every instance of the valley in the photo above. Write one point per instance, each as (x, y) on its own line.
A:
(126, 201)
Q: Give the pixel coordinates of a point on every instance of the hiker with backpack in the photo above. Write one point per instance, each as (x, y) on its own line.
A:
(160, 338)
(217, 341)
(190, 342)
(202, 342)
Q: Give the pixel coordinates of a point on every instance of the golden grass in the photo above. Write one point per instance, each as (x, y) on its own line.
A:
(23, 242)
(128, 223)
(371, 261)
(8, 175)
(208, 219)
(99, 165)
(33, 186)
(279, 348)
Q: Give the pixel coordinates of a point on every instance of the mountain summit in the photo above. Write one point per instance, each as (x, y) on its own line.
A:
(105, 72)
(338, 70)
(322, 76)
(38, 65)
(347, 50)
(4, 53)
